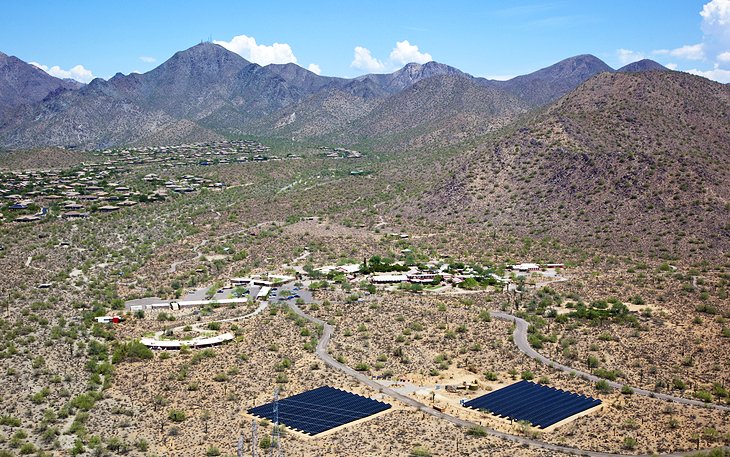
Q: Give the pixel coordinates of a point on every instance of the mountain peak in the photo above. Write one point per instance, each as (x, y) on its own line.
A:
(207, 49)
(642, 66)
(22, 83)
(548, 84)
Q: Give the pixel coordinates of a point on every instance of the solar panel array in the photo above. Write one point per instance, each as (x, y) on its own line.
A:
(540, 405)
(321, 409)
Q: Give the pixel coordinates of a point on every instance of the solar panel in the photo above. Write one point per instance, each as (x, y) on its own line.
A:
(540, 405)
(320, 409)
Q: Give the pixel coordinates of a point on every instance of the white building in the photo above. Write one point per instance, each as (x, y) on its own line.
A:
(525, 267)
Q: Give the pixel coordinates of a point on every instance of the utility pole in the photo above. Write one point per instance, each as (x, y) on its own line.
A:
(254, 437)
(275, 434)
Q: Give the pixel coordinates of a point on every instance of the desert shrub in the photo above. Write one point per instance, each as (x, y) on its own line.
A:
(132, 351)
(603, 386)
(476, 431)
(420, 451)
(629, 443)
(176, 415)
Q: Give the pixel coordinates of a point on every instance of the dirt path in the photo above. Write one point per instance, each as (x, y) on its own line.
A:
(520, 339)
(322, 353)
(200, 326)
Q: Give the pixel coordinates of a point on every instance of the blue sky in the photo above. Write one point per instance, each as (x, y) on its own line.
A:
(497, 38)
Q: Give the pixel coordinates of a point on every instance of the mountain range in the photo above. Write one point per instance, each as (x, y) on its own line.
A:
(207, 92)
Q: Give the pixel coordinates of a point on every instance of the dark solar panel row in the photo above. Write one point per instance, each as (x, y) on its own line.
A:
(540, 405)
(321, 409)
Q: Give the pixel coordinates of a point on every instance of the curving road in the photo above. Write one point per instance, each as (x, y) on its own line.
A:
(520, 339)
(321, 352)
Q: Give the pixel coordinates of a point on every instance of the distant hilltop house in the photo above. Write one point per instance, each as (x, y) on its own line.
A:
(27, 218)
(74, 215)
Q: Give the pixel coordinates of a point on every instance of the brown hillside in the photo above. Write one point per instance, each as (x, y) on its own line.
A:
(633, 162)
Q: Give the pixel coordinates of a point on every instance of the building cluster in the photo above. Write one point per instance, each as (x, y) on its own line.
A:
(340, 153)
(442, 274)
(29, 196)
(423, 274)
(434, 273)
(532, 267)
(210, 153)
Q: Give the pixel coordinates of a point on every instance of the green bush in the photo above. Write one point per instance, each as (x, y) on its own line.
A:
(10, 421)
(214, 326)
(476, 431)
(132, 351)
(490, 376)
(703, 395)
(611, 375)
(629, 443)
(420, 451)
(603, 386)
(176, 415)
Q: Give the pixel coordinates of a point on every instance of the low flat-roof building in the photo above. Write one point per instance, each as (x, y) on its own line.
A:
(524, 267)
(263, 293)
(388, 279)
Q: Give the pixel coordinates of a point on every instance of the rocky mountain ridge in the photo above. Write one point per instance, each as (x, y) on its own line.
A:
(206, 92)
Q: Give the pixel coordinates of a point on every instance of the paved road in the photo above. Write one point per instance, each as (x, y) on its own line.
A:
(520, 339)
(322, 353)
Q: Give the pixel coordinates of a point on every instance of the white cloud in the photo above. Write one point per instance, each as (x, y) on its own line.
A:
(364, 60)
(314, 68)
(405, 52)
(716, 12)
(627, 56)
(79, 73)
(715, 42)
(716, 74)
(147, 59)
(687, 52)
(716, 26)
(261, 54)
